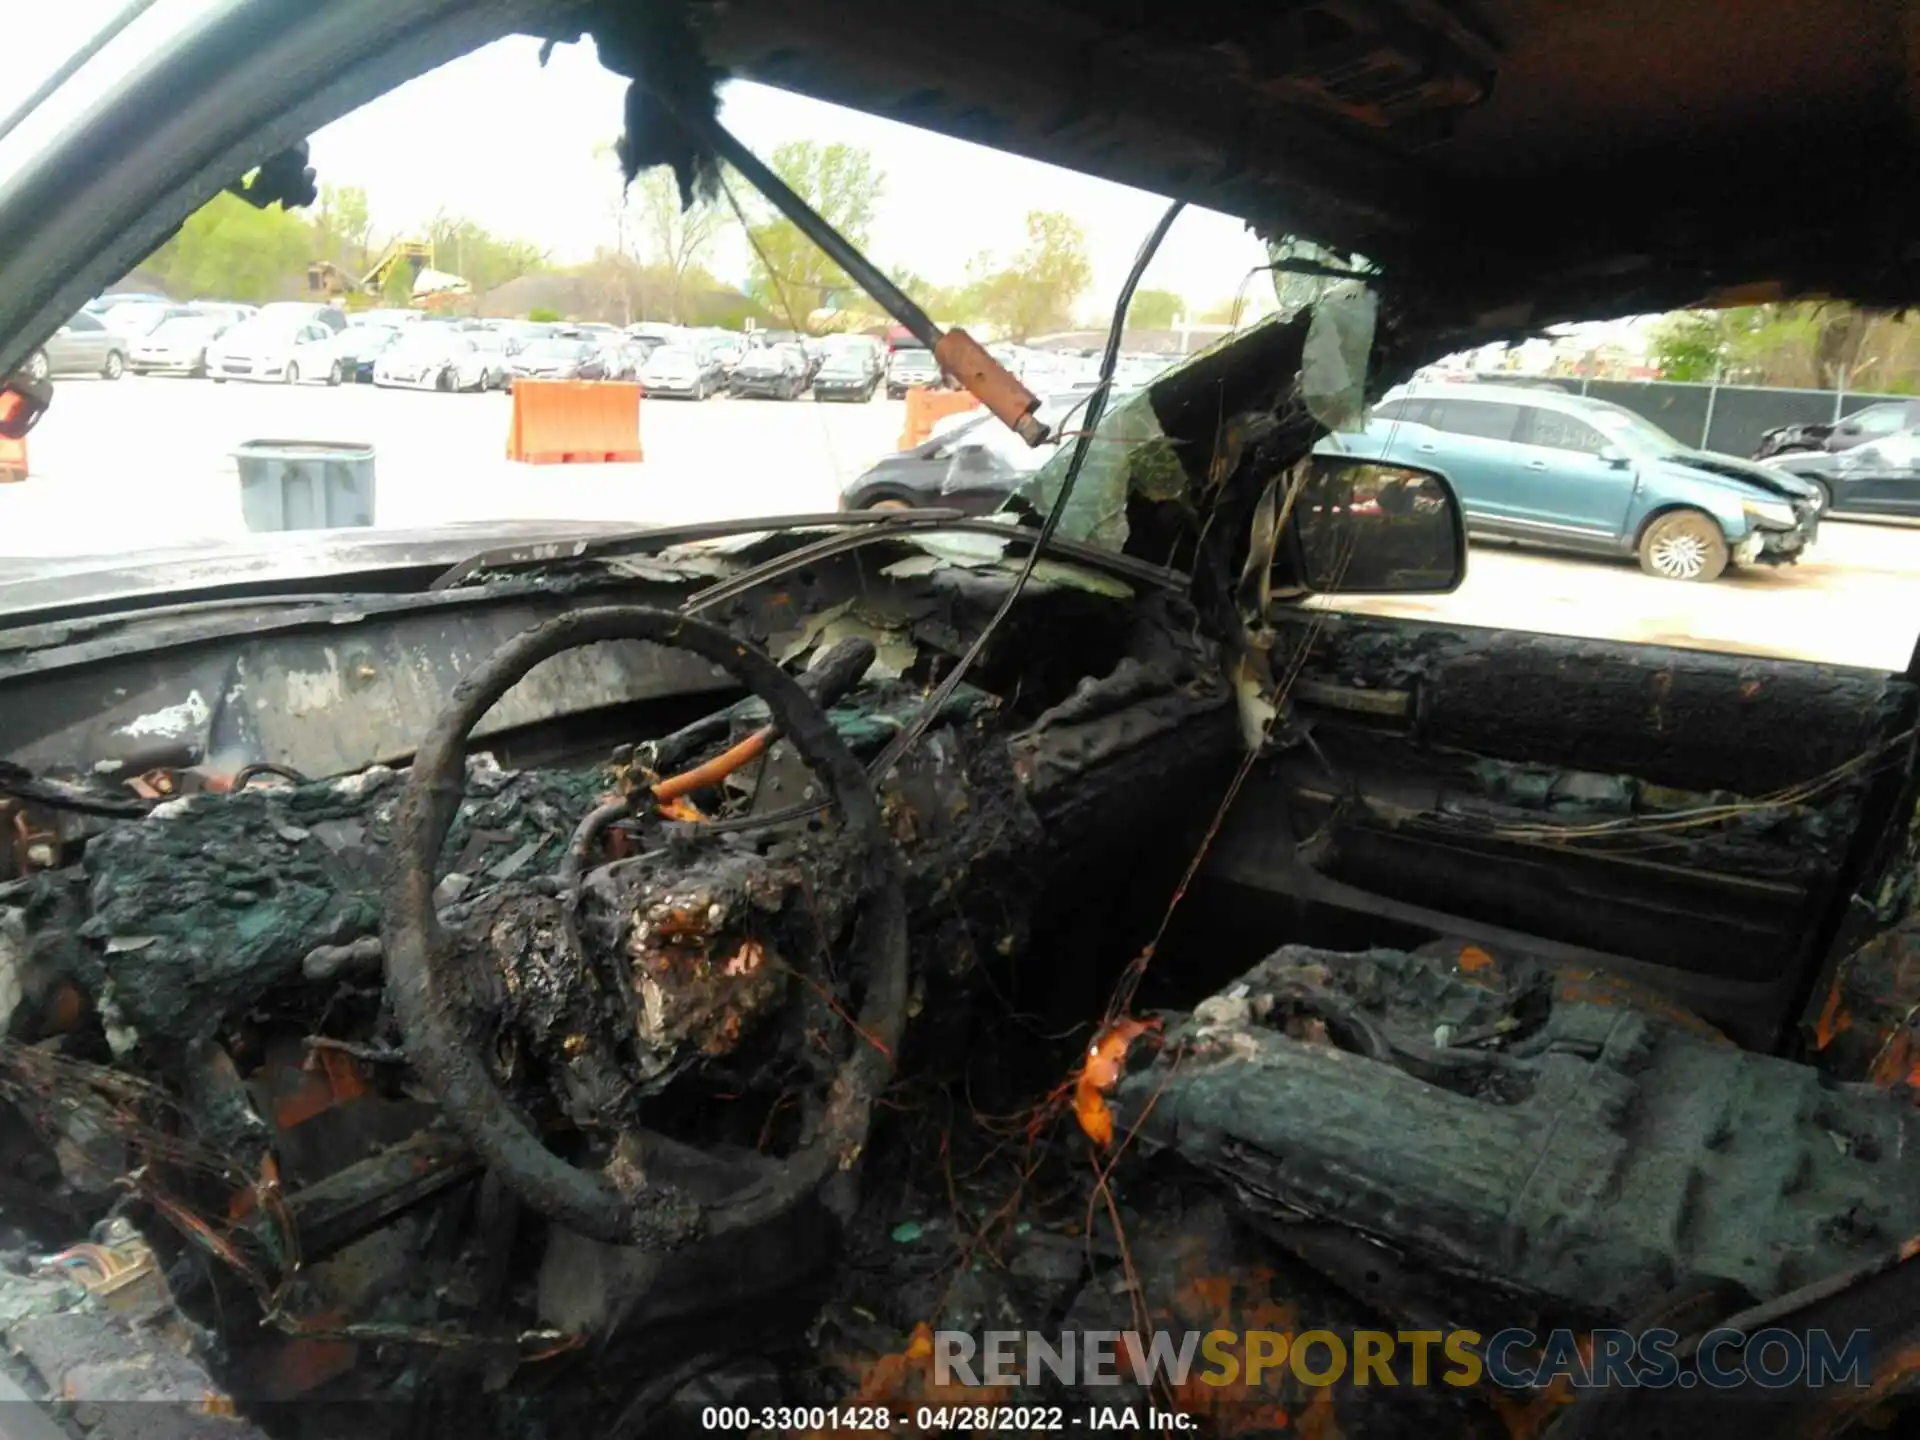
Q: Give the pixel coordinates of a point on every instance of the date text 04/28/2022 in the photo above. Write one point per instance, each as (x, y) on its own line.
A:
(934, 1419)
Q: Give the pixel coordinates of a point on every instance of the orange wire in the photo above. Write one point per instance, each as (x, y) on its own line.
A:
(716, 769)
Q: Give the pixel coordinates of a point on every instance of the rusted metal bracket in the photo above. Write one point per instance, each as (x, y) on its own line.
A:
(959, 354)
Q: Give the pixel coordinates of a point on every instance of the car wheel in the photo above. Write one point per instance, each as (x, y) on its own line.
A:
(291, 376)
(37, 366)
(219, 379)
(336, 373)
(1684, 545)
(447, 382)
(115, 367)
(1823, 493)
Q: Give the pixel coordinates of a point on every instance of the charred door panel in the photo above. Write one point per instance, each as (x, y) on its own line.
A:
(1696, 816)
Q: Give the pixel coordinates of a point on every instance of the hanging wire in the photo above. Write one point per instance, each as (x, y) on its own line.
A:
(1096, 406)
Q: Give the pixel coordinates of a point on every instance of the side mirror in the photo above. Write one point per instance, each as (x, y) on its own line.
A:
(1358, 527)
(1615, 456)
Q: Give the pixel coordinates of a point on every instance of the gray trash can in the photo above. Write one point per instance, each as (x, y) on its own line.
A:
(305, 484)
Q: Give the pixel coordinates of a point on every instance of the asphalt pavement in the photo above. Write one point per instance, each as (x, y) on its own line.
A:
(146, 463)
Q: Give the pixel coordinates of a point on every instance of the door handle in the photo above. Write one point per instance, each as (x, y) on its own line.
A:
(1536, 464)
(1428, 449)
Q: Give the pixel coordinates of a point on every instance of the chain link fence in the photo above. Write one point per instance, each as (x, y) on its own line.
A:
(1727, 418)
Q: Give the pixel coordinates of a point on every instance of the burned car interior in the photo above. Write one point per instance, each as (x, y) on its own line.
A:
(573, 988)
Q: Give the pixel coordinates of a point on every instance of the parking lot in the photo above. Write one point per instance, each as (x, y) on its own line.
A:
(145, 463)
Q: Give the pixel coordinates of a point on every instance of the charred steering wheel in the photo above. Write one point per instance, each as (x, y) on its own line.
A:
(421, 958)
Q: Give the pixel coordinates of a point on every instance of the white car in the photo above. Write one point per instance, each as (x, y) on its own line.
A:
(178, 343)
(138, 318)
(303, 312)
(266, 348)
(432, 357)
(496, 352)
(682, 370)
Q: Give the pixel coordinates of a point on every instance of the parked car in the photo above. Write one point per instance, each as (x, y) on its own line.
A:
(691, 371)
(274, 346)
(728, 347)
(618, 359)
(773, 372)
(558, 357)
(1138, 370)
(972, 462)
(86, 346)
(438, 357)
(520, 333)
(362, 345)
(178, 343)
(139, 318)
(390, 318)
(1879, 477)
(911, 366)
(1874, 422)
(848, 373)
(99, 305)
(226, 312)
(1580, 475)
(300, 312)
(642, 346)
(498, 350)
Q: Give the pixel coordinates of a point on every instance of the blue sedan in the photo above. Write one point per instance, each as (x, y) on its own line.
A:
(1548, 468)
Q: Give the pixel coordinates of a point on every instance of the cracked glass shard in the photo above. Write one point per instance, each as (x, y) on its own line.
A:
(1333, 368)
(1130, 454)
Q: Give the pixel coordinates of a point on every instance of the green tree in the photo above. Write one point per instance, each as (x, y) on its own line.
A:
(1689, 346)
(789, 273)
(229, 250)
(1155, 310)
(543, 315)
(343, 228)
(484, 260)
(1035, 292)
(1747, 345)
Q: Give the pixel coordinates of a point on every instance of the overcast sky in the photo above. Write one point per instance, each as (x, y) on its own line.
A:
(538, 175)
(495, 137)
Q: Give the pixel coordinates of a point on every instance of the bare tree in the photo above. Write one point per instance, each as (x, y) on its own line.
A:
(674, 241)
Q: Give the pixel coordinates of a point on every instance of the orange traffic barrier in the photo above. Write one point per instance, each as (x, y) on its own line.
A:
(13, 460)
(926, 405)
(575, 422)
